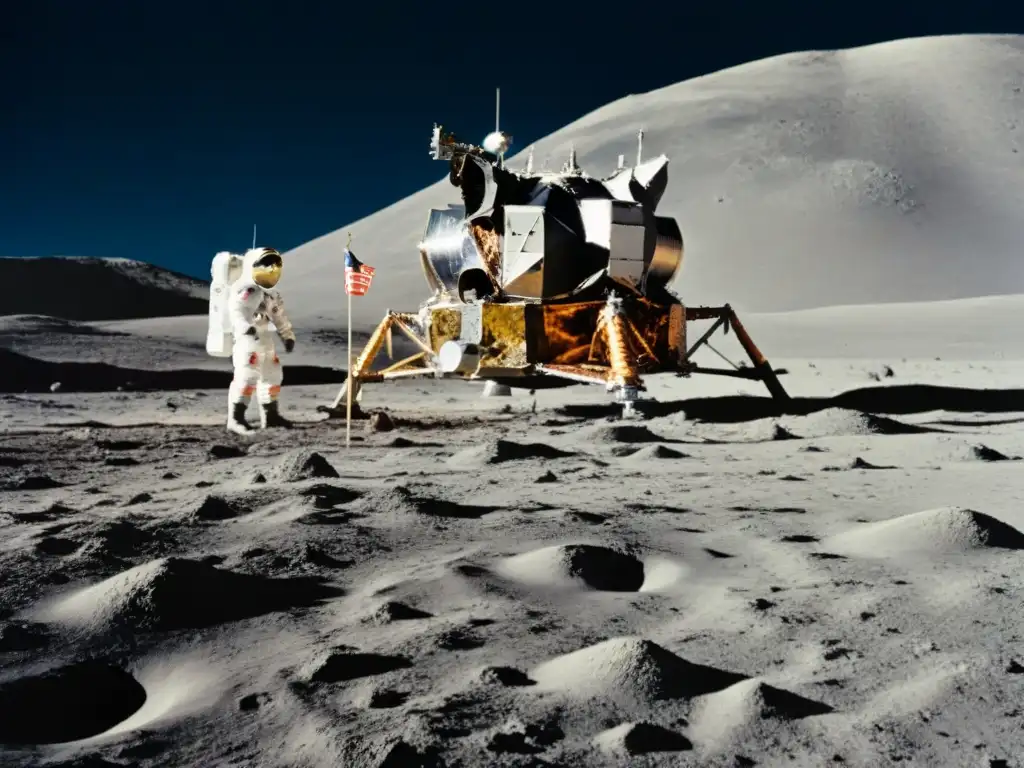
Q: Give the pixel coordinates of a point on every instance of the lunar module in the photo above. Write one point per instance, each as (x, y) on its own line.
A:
(551, 279)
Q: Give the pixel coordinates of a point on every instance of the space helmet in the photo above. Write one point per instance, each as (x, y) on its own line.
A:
(263, 266)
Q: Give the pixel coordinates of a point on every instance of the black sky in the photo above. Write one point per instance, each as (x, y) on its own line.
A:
(162, 131)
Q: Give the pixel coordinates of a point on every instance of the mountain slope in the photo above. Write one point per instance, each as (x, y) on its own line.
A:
(891, 172)
(87, 289)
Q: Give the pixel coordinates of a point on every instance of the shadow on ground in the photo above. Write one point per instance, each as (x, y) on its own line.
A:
(907, 399)
(27, 374)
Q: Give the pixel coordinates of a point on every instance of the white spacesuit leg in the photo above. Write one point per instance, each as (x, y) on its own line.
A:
(269, 387)
(246, 360)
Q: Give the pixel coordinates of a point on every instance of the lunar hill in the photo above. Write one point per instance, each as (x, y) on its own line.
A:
(886, 173)
(77, 288)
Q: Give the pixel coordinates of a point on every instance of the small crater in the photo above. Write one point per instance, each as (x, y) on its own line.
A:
(459, 640)
(48, 515)
(387, 699)
(22, 636)
(507, 676)
(252, 701)
(341, 666)
(395, 611)
(591, 518)
(121, 461)
(66, 704)
(32, 483)
(516, 738)
(120, 445)
(226, 452)
(57, 545)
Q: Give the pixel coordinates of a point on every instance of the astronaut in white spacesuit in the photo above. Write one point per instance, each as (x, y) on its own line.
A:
(253, 305)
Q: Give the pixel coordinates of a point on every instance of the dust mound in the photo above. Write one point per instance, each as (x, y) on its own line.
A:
(640, 739)
(339, 666)
(67, 703)
(595, 567)
(946, 529)
(400, 501)
(404, 442)
(837, 422)
(174, 593)
(304, 465)
(658, 451)
(629, 668)
(984, 453)
(392, 611)
(500, 451)
(213, 508)
(326, 496)
(380, 422)
(396, 500)
(858, 462)
(744, 705)
(624, 433)
(779, 432)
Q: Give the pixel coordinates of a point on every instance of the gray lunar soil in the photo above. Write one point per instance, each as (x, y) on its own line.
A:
(520, 581)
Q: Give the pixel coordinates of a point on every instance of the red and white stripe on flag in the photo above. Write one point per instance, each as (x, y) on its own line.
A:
(357, 281)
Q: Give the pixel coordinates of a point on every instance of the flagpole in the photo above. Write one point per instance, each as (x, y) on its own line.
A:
(348, 384)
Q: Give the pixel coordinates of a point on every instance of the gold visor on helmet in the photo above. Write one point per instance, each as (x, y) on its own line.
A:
(266, 271)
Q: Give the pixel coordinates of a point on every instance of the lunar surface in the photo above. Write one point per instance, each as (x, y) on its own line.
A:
(533, 580)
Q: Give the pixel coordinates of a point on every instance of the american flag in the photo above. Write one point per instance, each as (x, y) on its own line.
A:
(358, 276)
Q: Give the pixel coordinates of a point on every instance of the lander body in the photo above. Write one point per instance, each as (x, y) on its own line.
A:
(551, 279)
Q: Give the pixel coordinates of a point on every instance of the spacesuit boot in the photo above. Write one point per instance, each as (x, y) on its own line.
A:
(270, 416)
(236, 417)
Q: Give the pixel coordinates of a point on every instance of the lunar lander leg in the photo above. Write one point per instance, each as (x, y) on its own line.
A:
(619, 354)
(418, 364)
(724, 318)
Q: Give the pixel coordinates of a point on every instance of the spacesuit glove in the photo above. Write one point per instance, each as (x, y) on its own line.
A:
(289, 345)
